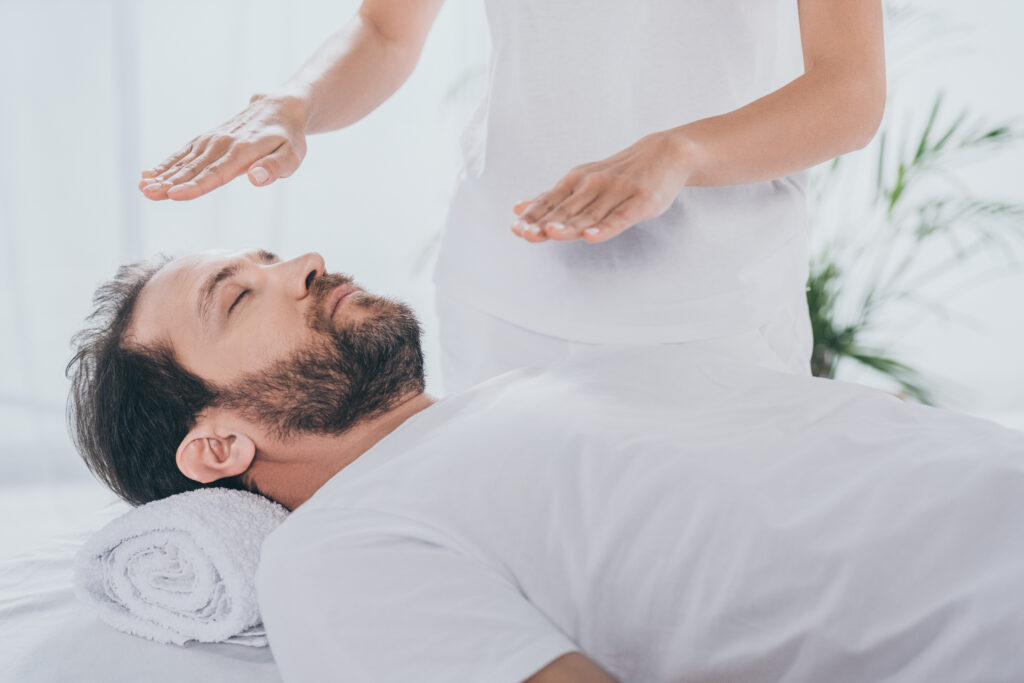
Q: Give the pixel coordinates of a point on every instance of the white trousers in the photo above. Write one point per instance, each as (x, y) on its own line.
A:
(476, 345)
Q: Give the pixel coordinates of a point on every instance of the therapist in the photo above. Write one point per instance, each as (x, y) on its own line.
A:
(636, 172)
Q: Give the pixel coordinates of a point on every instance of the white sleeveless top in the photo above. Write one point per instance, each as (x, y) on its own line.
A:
(576, 81)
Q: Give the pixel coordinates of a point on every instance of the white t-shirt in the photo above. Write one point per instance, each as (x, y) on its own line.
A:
(573, 82)
(674, 516)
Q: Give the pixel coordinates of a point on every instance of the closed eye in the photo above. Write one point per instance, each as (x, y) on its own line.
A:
(244, 292)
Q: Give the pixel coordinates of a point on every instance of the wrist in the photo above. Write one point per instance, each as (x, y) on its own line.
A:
(687, 151)
(294, 105)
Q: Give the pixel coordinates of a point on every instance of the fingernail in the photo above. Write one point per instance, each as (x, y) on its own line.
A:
(533, 229)
(556, 226)
(151, 186)
(260, 174)
(592, 231)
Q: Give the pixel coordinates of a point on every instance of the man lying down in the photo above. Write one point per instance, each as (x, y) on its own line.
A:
(653, 514)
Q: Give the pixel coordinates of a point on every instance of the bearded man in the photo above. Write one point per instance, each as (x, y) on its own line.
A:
(633, 513)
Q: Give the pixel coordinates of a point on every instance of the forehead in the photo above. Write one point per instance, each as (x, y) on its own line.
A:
(166, 305)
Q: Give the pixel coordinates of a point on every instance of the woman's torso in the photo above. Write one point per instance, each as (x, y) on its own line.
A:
(571, 83)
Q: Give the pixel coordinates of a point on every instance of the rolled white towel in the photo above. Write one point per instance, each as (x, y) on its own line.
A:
(181, 568)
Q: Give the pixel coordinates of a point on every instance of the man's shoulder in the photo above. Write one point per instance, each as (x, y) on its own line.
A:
(297, 546)
(276, 546)
(315, 552)
(310, 533)
(303, 527)
(296, 536)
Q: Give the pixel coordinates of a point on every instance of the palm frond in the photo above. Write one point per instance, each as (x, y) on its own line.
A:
(902, 222)
(908, 379)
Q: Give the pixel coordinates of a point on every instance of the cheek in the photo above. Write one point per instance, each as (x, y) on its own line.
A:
(266, 336)
(275, 337)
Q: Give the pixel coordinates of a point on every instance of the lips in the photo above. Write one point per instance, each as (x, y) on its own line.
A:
(340, 292)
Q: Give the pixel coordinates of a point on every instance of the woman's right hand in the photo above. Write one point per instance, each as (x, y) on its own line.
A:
(268, 136)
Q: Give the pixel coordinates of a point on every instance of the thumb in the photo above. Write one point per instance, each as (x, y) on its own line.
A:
(279, 164)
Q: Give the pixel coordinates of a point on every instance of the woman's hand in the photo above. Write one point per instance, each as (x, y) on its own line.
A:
(599, 200)
(267, 139)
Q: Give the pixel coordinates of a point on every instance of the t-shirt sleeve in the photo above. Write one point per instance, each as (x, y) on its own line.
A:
(380, 607)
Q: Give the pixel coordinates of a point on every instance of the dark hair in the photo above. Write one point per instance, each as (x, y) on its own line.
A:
(130, 406)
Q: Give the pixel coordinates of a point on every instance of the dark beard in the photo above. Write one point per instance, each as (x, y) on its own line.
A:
(352, 371)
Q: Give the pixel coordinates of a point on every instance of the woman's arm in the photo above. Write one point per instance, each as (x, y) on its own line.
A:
(352, 73)
(344, 80)
(834, 108)
(573, 667)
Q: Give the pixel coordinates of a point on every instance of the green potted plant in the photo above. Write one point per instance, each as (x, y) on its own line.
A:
(910, 235)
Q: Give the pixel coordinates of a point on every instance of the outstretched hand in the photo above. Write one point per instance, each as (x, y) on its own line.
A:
(267, 140)
(599, 200)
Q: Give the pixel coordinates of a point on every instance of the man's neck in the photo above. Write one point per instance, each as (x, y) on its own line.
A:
(291, 473)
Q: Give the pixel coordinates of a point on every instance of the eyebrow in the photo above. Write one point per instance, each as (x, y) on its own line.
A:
(207, 293)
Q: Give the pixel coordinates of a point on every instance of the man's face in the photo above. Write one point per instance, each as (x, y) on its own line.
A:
(273, 337)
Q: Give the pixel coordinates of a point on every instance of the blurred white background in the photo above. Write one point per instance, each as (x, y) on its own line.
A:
(94, 91)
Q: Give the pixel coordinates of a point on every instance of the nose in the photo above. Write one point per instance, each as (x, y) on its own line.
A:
(305, 269)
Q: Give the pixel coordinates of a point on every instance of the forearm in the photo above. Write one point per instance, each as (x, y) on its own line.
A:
(816, 117)
(351, 74)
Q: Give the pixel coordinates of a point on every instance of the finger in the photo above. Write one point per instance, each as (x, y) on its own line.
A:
(161, 177)
(550, 199)
(151, 188)
(164, 176)
(625, 215)
(156, 188)
(519, 226)
(557, 223)
(217, 148)
(530, 233)
(189, 170)
(280, 163)
(526, 225)
(518, 208)
(207, 173)
(169, 161)
(593, 213)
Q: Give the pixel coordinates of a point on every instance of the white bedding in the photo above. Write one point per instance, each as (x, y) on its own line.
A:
(835, 533)
(47, 635)
(674, 516)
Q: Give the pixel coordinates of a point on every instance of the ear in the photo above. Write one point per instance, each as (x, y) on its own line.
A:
(218, 446)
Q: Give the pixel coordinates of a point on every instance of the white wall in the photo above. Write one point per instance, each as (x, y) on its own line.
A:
(96, 90)
(973, 53)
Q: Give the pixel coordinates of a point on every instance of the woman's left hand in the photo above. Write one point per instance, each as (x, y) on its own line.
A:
(599, 200)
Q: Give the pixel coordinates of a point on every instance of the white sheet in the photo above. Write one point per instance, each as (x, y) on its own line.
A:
(48, 636)
(675, 517)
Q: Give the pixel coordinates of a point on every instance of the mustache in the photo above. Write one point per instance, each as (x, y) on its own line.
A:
(319, 290)
(322, 286)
